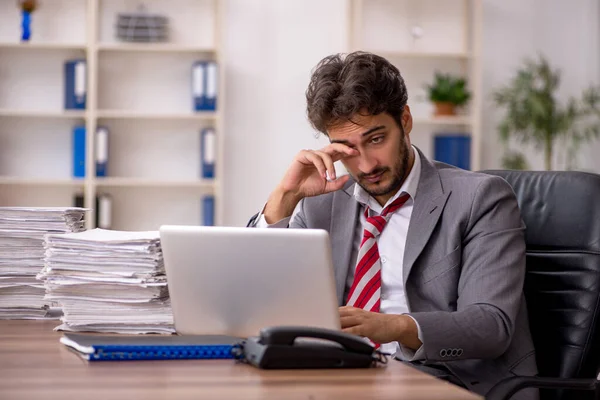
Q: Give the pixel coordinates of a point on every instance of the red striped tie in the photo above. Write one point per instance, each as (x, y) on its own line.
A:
(366, 288)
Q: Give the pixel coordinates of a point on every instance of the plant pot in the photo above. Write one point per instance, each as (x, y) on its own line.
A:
(445, 108)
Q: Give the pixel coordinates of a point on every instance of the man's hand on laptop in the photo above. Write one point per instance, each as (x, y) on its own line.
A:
(380, 328)
(311, 173)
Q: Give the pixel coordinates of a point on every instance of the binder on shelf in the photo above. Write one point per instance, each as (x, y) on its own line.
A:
(101, 149)
(208, 210)
(208, 148)
(75, 84)
(78, 200)
(198, 85)
(453, 149)
(211, 85)
(205, 85)
(78, 142)
(104, 211)
(114, 348)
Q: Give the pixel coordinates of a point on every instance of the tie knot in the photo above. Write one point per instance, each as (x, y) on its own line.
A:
(375, 224)
(396, 204)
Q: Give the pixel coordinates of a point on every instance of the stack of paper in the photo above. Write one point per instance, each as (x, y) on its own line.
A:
(22, 231)
(108, 281)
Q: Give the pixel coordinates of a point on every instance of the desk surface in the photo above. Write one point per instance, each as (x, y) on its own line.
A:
(34, 365)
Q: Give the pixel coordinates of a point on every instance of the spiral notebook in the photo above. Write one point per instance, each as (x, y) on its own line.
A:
(173, 347)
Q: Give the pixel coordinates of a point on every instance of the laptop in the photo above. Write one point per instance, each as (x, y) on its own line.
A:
(235, 281)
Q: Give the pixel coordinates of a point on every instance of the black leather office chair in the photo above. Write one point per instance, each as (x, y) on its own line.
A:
(561, 211)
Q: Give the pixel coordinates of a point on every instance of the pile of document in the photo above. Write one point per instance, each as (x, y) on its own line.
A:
(22, 231)
(108, 281)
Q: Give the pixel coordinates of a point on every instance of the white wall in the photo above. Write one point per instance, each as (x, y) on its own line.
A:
(270, 48)
(268, 71)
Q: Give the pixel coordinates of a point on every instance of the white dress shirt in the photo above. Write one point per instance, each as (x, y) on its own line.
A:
(391, 244)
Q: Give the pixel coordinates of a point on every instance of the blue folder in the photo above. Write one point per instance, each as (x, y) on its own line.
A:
(454, 150)
(78, 146)
(75, 84)
(208, 149)
(208, 210)
(151, 347)
(205, 85)
(101, 150)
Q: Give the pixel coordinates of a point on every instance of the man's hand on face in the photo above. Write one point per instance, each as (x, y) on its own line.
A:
(307, 176)
(309, 171)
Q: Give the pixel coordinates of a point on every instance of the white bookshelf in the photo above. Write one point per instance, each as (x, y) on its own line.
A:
(24, 181)
(140, 91)
(154, 48)
(41, 46)
(60, 114)
(459, 120)
(154, 183)
(451, 43)
(424, 54)
(157, 115)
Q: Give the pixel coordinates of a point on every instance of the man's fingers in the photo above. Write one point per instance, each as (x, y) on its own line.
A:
(339, 148)
(350, 320)
(337, 151)
(348, 310)
(328, 163)
(355, 330)
(337, 184)
(311, 158)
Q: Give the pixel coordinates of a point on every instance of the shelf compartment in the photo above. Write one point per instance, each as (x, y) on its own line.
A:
(155, 48)
(141, 84)
(120, 182)
(55, 23)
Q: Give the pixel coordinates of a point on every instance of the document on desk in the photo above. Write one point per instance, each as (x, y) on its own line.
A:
(108, 281)
(118, 348)
(22, 233)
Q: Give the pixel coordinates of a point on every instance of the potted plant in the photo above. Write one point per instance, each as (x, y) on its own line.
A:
(447, 92)
(533, 113)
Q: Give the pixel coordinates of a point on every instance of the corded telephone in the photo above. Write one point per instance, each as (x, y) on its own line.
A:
(287, 347)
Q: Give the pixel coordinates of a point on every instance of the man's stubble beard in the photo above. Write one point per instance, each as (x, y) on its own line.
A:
(399, 173)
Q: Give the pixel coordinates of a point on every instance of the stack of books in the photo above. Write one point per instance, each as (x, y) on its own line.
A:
(22, 231)
(108, 281)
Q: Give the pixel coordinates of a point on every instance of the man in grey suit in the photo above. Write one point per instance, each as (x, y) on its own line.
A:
(429, 259)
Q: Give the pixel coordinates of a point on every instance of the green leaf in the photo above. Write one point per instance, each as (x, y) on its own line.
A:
(447, 88)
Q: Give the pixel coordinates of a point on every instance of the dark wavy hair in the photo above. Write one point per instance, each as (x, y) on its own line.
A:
(341, 87)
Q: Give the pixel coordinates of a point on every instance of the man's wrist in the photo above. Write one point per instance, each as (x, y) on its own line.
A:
(407, 332)
(281, 204)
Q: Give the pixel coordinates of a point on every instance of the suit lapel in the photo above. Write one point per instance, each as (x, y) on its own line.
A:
(343, 221)
(428, 205)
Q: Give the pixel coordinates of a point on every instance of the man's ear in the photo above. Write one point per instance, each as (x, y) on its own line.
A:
(407, 120)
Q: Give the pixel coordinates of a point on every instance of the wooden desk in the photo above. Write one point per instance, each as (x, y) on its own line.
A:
(34, 365)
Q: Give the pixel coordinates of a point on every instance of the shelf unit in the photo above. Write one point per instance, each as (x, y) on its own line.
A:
(450, 41)
(140, 91)
(149, 183)
(132, 114)
(42, 46)
(64, 114)
(18, 181)
(153, 48)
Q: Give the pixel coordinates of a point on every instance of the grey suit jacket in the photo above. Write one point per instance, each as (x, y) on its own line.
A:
(464, 270)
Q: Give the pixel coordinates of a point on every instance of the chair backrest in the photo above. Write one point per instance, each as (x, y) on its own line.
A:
(561, 211)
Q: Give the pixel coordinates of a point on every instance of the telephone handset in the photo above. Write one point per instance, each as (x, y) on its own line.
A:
(306, 347)
(287, 336)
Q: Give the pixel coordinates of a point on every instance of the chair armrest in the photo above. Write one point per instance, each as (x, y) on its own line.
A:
(504, 389)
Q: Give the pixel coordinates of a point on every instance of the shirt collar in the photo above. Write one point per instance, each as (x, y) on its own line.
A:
(409, 186)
